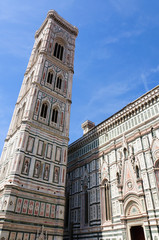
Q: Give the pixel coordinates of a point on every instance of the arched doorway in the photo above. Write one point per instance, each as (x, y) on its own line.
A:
(134, 219)
(137, 233)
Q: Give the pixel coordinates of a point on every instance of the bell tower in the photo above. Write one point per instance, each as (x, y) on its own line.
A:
(34, 157)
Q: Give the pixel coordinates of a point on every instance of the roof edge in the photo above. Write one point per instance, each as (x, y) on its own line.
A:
(113, 115)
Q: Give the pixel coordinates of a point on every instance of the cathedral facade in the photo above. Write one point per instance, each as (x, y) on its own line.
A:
(112, 190)
(34, 157)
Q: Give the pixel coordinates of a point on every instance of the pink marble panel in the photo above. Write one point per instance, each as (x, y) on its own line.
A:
(47, 210)
(25, 206)
(31, 206)
(19, 205)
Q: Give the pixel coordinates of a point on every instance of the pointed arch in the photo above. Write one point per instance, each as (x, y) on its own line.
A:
(157, 164)
(153, 133)
(59, 82)
(50, 75)
(156, 169)
(85, 199)
(58, 51)
(59, 48)
(44, 110)
(86, 205)
(132, 207)
(55, 113)
(133, 210)
(155, 148)
(137, 172)
(118, 177)
(106, 201)
(125, 152)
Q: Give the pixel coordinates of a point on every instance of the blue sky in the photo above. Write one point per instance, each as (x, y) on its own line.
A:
(116, 58)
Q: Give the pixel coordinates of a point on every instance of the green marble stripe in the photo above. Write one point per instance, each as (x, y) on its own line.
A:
(38, 180)
(31, 192)
(30, 224)
(43, 138)
(41, 157)
(35, 200)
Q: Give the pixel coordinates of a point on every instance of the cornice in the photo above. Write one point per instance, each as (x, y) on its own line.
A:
(54, 60)
(46, 90)
(40, 126)
(50, 92)
(57, 62)
(132, 109)
(54, 15)
(97, 152)
(47, 129)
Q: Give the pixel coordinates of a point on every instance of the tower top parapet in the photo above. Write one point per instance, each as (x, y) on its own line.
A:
(61, 21)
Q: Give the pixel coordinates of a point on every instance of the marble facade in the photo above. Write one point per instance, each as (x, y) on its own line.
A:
(113, 176)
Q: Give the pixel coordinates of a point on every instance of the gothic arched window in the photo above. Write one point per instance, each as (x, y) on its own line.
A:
(118, 178)
(44, 110)
(125, 153)
(50, 77)
(54, 115)
(86, 206)
(157, 172)
(137, 172)
(58, 51)
(59, 83)
(106, 203)
(153, 132)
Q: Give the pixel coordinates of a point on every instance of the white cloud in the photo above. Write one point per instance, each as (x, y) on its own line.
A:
(146, 76)
(115, 89)
(13, 11)
(125, 7)
(122, 35)
(144, 79)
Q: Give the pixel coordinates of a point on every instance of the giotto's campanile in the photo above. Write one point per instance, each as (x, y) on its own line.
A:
(34, 157)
